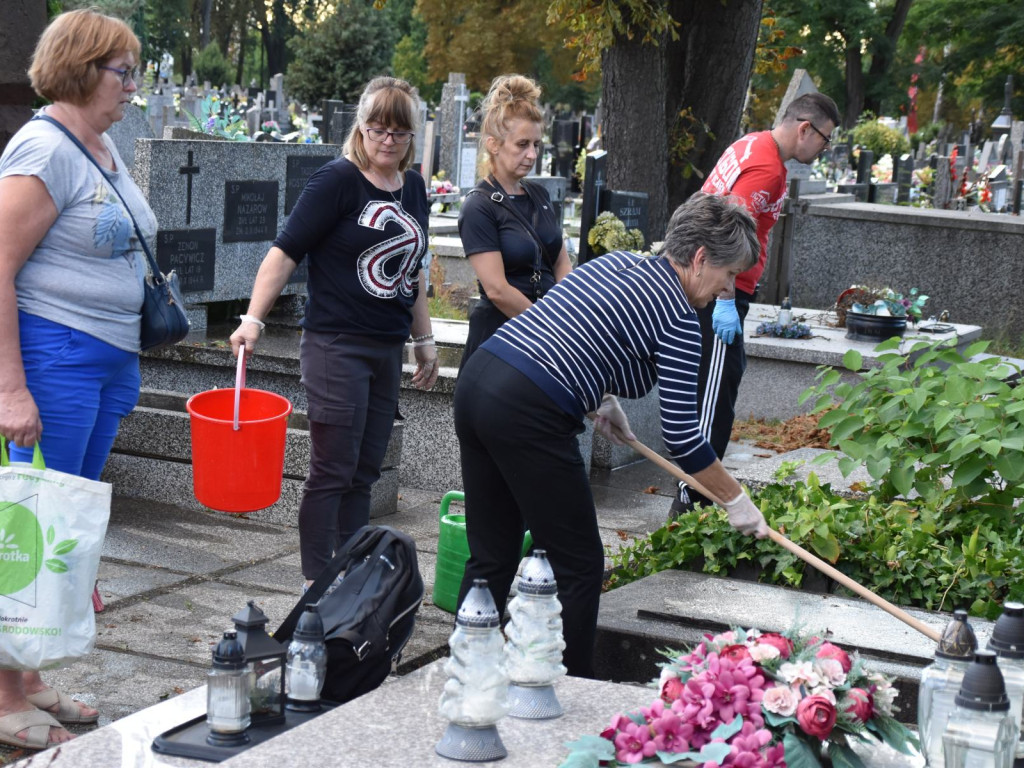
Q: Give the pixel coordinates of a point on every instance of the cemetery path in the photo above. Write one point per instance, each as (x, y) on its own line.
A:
(171, 579)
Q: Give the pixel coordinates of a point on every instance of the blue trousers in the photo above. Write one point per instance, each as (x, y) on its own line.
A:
(83, 387)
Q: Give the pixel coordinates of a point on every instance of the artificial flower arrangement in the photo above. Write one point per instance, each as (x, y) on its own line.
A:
(868, 300)
(757, 700)
(439, 185)
(788, 331)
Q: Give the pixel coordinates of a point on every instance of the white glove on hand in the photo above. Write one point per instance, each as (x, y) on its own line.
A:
(610, 414)
(745, 517)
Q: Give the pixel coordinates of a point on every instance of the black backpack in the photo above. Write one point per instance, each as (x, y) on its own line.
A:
(369, 616)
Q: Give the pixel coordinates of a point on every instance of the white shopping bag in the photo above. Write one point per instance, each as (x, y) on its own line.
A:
(52, 526)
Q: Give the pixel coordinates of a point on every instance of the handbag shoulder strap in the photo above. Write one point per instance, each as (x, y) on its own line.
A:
(157, 275)
(494, 193)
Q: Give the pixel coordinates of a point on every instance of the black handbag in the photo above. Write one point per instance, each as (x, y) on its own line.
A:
(164, 321)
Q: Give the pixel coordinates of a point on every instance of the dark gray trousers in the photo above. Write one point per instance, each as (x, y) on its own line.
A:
(352, 386)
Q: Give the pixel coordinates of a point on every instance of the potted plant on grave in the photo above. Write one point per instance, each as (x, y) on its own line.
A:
(609, 234)
(875, 314)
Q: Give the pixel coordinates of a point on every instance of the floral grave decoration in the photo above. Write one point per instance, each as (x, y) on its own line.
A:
(609, 233)
(869, 300)
(757, 700)
(788, 331)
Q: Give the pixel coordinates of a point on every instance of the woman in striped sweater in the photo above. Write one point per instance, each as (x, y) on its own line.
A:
(614, 327)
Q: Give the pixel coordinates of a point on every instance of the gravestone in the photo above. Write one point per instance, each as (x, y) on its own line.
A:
(1004, 151)
(986, 156)
(327, 109)
(903, 173)
(564, 134)
(859, 191)
(999, 187)
(864, 162)
(342, 120)
(1016, 138)
(943, 194)
(556, 187)
(883, 193)
(219, 205)
(595, 180)
(631, 207)
(125, 131)
(297, 172)
(466, 178)
(21, 24)
(451, 117)
(800, 84)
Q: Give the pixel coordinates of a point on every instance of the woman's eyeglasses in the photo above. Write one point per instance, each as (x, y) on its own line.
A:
(399, 137)
(127, 75)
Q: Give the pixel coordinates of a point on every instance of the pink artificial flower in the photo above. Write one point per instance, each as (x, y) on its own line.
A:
(858, 703)
(617, 724)
(816, 716)
(633, 743)
(784, 644)
(831, 671)
(671, 734)
(781, 700)
(671, 690)
(734, 653)
(761, 653)
(725, 637)
(829, 651)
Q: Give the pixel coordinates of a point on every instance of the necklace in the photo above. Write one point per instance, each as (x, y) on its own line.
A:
(401, 189)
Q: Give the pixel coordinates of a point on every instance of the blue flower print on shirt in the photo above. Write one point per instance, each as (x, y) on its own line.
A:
(112, 226)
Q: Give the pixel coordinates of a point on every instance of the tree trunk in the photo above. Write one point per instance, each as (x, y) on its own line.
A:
(884, 52)
(854, 86)
(708, 69)
(204, 39)
(633, 130)
(645, 87)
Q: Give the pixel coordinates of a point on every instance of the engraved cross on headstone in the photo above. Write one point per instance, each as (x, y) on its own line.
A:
(189, 170)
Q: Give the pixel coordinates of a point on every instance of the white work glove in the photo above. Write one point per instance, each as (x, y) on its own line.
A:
(745, 517)
(610, 414)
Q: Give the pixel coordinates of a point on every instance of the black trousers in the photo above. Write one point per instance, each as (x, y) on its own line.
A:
(352, 386)
(522, 468)
(718, 383)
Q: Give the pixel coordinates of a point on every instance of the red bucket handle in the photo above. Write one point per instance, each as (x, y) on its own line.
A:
(239, 382)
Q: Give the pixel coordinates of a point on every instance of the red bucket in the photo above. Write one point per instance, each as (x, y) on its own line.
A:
(238, 439)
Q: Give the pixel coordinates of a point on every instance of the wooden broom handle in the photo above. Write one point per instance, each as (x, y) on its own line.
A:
(796, 549)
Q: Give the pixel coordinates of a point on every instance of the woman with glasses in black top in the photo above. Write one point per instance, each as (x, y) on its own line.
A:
(508, 226)
(362, 222)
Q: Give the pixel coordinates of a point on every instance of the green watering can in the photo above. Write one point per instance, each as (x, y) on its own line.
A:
(453, 552)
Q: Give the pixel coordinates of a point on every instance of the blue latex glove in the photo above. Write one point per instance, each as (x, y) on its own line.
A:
(726, 320)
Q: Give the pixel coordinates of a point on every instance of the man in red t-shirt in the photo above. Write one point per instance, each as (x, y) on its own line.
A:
(753, 170)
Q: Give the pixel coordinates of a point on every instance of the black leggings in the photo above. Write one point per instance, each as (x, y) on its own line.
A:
(522, 468)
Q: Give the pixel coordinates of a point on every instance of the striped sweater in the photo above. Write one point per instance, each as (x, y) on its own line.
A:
(617, 324)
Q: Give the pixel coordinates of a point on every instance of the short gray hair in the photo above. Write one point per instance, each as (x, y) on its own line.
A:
(723, 225)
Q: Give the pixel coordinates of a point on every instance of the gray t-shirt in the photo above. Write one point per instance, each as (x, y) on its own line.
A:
(88, 270)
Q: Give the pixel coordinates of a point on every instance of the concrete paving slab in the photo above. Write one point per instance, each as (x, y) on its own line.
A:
(185, 623)
(118, 581)
(630, 511)
(188, 541)
(279, 574)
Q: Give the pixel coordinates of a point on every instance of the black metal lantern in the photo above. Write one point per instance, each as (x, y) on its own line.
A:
(265, 660)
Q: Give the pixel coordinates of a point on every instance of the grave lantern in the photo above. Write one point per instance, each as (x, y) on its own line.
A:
(1002, 124)
(227, 699)
(265, 660)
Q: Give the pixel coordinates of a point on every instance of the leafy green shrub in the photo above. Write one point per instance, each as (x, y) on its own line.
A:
(212, 67)
(880, 139)
(942, 438)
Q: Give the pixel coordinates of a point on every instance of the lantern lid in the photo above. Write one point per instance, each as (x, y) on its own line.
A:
(982, 689)
(478, 609)
(957, 640)
(310, 626)
(1008, 633)
(228, 654)
(249, 617)
(537, 577)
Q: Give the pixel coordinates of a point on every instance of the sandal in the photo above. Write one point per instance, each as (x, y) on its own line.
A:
(36, 722)
(68, 711)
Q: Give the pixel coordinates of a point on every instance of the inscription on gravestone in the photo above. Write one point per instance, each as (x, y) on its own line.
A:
(299, 169)
(190, 253)
(628, 207)
(250, 211)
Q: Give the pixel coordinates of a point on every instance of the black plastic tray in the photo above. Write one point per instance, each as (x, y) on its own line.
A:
(189, 738)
